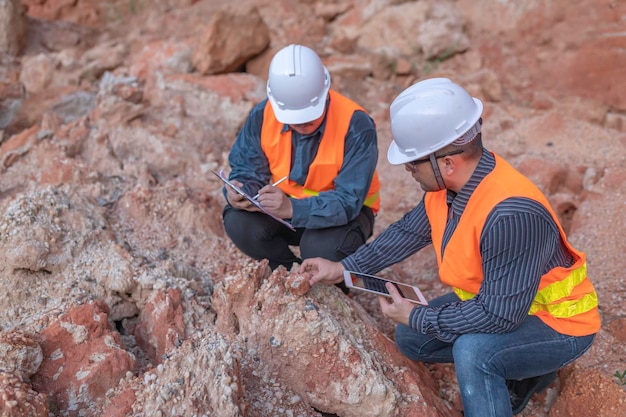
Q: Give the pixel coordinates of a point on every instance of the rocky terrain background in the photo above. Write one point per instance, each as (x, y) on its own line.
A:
(121, 295)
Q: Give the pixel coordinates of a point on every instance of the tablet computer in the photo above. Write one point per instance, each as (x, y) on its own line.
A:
(376, 285)
(251, 199)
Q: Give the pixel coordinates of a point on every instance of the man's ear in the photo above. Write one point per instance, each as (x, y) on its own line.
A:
(449, 165)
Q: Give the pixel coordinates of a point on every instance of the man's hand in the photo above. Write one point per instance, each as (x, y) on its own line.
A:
(322, 271)
(237, 200)
(397, 308)
(275, 201)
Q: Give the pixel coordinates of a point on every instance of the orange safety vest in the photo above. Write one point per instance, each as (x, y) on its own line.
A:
(326, 165)
(566, 300)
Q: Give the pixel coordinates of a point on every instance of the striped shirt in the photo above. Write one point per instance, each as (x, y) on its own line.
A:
(519, 243)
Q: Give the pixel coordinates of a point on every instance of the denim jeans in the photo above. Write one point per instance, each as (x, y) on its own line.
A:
(483, 361)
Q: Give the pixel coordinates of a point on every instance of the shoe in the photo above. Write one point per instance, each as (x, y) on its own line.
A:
(522, 391)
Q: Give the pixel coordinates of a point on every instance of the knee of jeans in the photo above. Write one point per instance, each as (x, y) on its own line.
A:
(465, 349)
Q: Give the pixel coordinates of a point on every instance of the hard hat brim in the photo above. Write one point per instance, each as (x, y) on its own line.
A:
(299, 116)
(396, 157)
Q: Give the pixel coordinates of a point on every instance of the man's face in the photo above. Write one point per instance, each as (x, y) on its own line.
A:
(308, 127)
(423, 171)
(424, 175)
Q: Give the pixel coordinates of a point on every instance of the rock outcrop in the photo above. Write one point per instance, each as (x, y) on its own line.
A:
(121, 294)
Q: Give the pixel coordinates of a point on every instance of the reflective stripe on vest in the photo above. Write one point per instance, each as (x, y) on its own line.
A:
(327, 163)
(370, 201)
(554, 292)
(566, 299)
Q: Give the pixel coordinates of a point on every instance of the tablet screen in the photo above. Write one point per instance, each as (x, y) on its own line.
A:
(376, 285)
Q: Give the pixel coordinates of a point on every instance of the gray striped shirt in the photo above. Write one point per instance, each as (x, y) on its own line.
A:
(519, 243)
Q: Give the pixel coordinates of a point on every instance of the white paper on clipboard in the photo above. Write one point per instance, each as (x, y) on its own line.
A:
(258, 205)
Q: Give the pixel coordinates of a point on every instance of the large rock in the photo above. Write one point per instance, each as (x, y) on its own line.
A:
(324, 346)
(222, 49)
(83, 358)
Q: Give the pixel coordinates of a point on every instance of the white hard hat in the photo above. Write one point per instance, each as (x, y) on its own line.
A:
(297, 85)
(430, 115)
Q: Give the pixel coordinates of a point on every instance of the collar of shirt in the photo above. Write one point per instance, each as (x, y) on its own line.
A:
(303, 150)
(458, 201)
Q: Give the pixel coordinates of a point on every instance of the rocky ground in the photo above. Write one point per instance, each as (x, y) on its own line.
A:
(123, 297)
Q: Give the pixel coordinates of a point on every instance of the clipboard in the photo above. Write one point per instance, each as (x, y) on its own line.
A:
(258, 205)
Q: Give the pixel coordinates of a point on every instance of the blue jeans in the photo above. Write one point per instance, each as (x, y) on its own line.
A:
(484, 361)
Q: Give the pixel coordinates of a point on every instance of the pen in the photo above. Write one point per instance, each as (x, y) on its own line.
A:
(273, 185)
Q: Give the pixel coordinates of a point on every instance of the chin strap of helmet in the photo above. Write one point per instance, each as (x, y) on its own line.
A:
(437, 172)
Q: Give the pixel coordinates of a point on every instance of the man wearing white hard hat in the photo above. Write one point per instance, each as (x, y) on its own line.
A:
(325, 145)
(521, 305)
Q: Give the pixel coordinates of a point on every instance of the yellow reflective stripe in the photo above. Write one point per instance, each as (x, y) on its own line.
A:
(371, 200)
(554, 292)
(310, 192)
(305, 191)
(567, 308)
(463, 295)
(562, 289)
